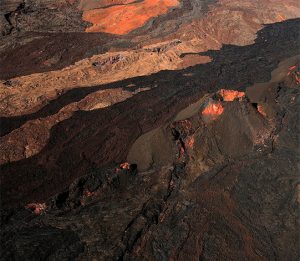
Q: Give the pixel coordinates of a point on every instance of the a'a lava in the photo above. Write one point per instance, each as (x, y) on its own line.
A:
(294, 73)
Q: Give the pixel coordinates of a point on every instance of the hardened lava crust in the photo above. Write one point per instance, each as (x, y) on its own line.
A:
(149, 130)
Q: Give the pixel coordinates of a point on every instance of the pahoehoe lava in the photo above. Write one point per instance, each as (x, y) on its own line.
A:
(197, 162)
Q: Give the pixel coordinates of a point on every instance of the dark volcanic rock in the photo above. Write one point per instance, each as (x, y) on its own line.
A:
(100, 137)
(245, 206)
(40, 243)
(216, 179)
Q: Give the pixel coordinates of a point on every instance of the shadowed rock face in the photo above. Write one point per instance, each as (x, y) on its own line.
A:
(111, 156)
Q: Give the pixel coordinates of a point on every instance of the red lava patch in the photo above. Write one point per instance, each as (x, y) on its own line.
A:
(36, 208)
(190, 142)
(261, 110)
(125, 165)
(213, 110)
(231, 95)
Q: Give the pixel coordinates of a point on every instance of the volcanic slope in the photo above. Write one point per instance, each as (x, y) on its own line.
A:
(216, 198)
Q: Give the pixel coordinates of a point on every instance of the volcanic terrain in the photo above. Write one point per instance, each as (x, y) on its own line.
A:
(150, 130)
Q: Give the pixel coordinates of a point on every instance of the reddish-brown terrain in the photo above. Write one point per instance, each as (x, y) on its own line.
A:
(123, 19)
(149, 130)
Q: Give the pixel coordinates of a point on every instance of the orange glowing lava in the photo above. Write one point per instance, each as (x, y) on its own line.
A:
(190, 142)
(213, 110)
(125, 18)
(231, 95)
(37, 208)
(125, 165)
(261, 110)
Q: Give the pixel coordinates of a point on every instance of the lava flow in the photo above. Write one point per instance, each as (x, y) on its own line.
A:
(149, 130)
(213, 110)
(125, 18)
(231, 95)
